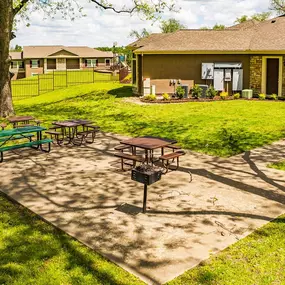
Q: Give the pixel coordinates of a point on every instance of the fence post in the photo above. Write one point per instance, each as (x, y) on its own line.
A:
(53, 79)
(93, 74)
(38, 84)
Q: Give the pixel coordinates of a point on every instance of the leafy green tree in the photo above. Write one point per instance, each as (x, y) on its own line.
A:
(205, 28)
(139, 35)
(10, 9)
(16, 48)
(216, 27)
(260, 17)
(219, 27)
(241, 19)
(278, 6)
(171, 25)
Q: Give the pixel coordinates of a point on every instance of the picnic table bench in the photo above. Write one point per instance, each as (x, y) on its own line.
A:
(7, 136)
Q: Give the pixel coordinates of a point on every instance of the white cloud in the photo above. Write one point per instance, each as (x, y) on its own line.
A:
(102, 28)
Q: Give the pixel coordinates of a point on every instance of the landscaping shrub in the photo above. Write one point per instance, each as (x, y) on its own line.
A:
(150, 97)
(165, 96)
(197, 91)
(211, 92)
(180, 92)
(262, 96)
(224, 95)
(274, 97)
(236, 95)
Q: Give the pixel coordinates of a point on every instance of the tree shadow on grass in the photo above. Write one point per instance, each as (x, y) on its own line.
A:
(122, 92)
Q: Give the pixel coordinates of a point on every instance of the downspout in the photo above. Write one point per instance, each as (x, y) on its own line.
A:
(142, 87)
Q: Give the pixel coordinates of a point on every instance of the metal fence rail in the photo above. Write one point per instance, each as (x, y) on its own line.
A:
(43, 83)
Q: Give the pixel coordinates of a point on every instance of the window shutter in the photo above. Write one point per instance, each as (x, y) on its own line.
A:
(38, 63)
(85, 62)
(30, 64)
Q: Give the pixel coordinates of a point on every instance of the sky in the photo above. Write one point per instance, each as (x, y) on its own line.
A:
(103, 28)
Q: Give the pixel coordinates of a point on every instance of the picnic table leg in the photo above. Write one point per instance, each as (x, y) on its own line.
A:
(144, 198)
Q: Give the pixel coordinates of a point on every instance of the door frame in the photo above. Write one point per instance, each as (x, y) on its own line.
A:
(264, 74)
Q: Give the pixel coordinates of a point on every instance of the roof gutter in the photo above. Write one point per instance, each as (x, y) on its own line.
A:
(212, 52)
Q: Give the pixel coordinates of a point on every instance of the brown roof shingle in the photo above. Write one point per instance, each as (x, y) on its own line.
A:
(16, 54)
(256, 37)
(74, 51)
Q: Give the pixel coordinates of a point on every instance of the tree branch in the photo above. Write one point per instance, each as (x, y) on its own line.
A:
(17, 9)
(110, 7)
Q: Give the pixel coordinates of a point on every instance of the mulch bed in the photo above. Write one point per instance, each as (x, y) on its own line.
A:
(184, 100)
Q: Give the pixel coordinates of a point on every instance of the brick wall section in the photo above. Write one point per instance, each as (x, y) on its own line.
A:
(255, 74)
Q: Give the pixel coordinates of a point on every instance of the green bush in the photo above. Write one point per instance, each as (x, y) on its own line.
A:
(274, 97)
(224, 95)
(262, 96)
(165, 96)
(197, 91)
(180, 92)
(211, 92)
(150, 97)
(236, 95)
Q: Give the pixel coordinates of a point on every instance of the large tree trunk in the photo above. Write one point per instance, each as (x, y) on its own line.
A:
(6, 25)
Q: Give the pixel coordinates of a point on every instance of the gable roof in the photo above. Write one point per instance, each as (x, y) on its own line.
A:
(244, 26)
(16, 55)
(147, 40)
(54, 51)
(264, 36)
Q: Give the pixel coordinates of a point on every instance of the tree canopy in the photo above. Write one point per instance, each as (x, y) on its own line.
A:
(278, 6)
(171, 25)
(139, 35)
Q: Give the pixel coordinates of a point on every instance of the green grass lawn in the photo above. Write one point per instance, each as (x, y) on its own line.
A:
(32, 86)
(280, 165)
(218, 128)
(34, 252)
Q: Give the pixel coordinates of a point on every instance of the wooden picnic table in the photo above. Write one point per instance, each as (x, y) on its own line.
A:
(8, 136)
(149, 144)
(70, 128)
(25, 120)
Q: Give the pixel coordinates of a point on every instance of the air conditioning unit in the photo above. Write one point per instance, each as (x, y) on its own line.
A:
(247, 93)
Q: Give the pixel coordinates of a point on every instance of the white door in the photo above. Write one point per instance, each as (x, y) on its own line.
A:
(219, 79)
(237, 79)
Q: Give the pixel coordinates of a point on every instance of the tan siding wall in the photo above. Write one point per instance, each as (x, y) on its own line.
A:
(101, 63)
(30, 70)
(188, 67)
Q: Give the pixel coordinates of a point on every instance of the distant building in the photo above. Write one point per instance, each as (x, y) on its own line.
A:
(42, 59)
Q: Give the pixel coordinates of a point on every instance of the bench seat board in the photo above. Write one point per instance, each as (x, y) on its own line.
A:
(17, 137)
(28, 144)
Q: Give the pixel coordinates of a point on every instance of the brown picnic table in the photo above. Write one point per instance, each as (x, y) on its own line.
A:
(69, 130)
(20, 121)
(148, 144)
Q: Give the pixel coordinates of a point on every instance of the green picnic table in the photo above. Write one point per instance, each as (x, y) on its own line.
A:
(24, 133)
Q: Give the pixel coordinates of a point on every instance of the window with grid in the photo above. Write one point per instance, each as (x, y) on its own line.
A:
(91, 62)
(34, 63)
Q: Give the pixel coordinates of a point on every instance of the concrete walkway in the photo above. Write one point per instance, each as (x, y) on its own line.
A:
(81, 190)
